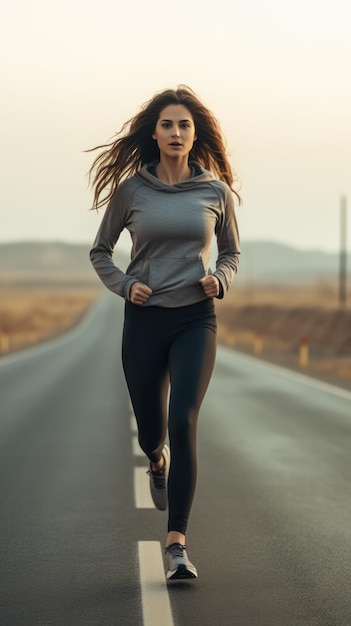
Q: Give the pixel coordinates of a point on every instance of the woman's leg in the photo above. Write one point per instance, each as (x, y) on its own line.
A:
(145, 367)
(191, 362)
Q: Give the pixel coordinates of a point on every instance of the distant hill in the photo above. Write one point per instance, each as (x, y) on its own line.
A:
(261, 262)
(42, 260)
(273, 263)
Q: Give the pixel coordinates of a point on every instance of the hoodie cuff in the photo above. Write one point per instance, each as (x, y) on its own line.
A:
(127, 287)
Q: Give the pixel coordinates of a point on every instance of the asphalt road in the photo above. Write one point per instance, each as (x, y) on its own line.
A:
(270, 531)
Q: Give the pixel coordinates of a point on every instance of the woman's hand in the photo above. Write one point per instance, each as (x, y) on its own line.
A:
(139, 293)
(210, 285)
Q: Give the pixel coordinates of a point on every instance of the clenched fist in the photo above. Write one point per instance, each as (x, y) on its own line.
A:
(210, 285)
(139, 293)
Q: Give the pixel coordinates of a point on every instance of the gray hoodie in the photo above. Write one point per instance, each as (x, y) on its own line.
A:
(171, 228)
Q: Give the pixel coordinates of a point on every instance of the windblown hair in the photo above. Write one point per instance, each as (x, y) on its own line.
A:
(135, 147)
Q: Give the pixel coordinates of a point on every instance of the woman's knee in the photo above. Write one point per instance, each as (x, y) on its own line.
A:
(183, 423)
(151, 447)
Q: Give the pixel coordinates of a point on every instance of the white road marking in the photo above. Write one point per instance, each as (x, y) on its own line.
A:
(133, 424)
(154, 594)
(137, 451)
(142, 495)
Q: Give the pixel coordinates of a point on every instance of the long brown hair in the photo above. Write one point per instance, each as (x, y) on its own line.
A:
(135, 147)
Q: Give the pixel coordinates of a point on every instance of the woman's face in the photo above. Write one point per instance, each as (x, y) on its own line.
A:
(175, 131)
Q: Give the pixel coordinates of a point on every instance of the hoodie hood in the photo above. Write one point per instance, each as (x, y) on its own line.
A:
(199, 176)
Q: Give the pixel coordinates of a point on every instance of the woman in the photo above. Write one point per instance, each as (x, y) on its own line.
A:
(167, 180)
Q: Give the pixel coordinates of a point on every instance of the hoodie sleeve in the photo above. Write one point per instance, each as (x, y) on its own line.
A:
(228, 244)
(114, 221)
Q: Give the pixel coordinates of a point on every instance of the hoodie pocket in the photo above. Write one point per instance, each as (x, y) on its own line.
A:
(168, 274)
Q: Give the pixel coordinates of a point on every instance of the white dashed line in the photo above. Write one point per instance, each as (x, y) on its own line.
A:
(141, 489)
(133, 424)
(154, 594)
(137, 451)
(155, 599)
(142, 497)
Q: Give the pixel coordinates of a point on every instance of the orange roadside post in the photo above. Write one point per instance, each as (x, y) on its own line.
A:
(304, 352)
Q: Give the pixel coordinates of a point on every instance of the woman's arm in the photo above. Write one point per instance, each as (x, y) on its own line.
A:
(112, 224)
(228, 245)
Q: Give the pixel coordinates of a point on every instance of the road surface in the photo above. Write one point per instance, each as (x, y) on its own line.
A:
(270, 531)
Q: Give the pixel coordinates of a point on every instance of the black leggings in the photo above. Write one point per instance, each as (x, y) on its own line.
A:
(170, 348)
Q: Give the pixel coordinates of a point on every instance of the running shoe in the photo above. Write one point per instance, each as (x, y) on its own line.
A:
(158, 482)
(178, 564)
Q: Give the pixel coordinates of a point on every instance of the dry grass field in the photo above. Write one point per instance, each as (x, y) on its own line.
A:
(268, 322)
(30, 315)
(302, 328)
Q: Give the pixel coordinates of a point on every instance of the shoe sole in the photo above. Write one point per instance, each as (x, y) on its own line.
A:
(180, 573)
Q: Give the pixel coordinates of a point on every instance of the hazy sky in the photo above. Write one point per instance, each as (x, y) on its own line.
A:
(275, 73)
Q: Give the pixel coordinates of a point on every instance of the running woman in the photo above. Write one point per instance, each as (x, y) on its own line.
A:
(166, 178)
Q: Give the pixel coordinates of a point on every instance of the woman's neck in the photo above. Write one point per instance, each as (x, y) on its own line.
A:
(171, 172)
